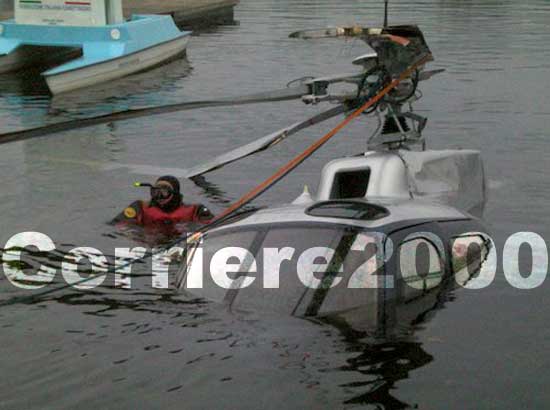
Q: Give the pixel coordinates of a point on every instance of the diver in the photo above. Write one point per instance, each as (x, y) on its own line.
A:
(166, 208)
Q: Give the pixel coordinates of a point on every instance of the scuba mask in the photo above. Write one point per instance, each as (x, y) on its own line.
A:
(164, 193)
(161, 193)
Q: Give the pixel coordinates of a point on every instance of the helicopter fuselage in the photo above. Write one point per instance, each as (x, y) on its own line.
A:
(369, 236)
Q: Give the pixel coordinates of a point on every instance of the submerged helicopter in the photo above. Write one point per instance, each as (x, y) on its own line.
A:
(419, 209)
(393, 223)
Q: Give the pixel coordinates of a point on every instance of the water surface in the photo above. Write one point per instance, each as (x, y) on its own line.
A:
(149, 348)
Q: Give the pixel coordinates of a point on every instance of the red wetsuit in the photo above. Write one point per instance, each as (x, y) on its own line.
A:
(143, 214)
(153, 216)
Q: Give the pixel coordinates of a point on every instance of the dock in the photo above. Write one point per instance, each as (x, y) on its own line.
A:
(184, 12)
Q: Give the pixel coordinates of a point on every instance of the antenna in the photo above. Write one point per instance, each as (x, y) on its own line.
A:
(386, 13)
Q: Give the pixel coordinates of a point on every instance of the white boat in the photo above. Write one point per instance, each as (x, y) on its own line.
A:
(72, 79)
(110, 47)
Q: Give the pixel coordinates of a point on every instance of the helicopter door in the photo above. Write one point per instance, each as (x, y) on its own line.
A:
(350, 184)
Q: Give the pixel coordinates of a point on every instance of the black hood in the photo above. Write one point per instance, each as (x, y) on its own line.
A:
(176, 200)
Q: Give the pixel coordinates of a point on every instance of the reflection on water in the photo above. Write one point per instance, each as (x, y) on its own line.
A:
(386, 352)
(28, 86)
(387, 364)
(367, 360)
(150, 348)
(114, 95)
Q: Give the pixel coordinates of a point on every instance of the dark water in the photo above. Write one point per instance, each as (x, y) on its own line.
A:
(147, 348)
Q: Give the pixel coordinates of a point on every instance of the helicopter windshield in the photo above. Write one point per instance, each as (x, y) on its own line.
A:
(275, 266)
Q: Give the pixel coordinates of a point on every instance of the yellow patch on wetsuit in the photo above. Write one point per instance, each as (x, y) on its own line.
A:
(130, 213)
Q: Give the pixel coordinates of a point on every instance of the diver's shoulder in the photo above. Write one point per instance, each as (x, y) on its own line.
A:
(134, 209)
(132, 213)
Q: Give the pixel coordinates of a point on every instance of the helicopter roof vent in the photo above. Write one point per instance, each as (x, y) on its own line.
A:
(359, 210)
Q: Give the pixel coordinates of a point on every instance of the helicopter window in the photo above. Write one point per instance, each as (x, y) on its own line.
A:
(350, 184)
(212, 244)
(278, 287)
(255, 240)
(469, 252)
(348, 210)
(280, 252)
(421, 267)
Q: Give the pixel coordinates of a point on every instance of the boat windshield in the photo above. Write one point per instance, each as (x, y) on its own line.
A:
(276, 266)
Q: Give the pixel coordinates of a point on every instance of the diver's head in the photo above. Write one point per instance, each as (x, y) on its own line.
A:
(165, 194)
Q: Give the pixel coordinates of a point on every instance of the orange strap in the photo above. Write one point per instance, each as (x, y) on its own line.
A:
(402, 41)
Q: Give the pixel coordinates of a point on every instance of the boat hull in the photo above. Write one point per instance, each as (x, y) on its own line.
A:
(26, 57)
(118, 67)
